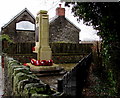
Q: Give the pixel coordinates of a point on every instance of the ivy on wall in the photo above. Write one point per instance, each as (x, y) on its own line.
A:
(5, 37)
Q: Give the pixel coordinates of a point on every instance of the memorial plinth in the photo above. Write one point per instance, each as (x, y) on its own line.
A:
(43, 68)
(41, 71)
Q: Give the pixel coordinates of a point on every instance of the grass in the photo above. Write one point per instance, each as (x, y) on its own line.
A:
(98, 87)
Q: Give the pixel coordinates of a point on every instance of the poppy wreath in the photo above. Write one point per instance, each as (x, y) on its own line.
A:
(41, 62)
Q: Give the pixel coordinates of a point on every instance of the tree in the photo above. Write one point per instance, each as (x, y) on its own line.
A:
(105, 18)
(4, 39)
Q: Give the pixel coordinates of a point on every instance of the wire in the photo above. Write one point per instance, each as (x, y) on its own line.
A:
(56, 3)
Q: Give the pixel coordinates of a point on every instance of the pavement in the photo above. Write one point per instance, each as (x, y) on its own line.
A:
(1, 80)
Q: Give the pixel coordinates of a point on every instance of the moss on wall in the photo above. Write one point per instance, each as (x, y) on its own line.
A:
(19, 81)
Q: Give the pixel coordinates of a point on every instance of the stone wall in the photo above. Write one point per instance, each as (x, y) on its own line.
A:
(10, 28)
(22, 36)
(25, 36)
(20, 81)
(61, 30)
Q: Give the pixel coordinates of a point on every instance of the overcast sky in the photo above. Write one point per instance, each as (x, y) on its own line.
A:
(10, 8)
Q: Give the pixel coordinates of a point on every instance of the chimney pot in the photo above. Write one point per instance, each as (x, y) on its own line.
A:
(60, 5)
(60, 11)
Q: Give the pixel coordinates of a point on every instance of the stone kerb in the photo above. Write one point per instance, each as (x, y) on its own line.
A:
(19, 81)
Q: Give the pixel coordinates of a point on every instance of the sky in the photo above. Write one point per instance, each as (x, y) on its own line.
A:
(10, 8)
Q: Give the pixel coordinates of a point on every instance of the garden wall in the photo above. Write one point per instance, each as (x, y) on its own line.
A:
(69, 52)
(61, 52)
(20, 81)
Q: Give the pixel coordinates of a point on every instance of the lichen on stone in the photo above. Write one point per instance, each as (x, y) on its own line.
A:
(43, 12)
(11, 70)
(36, 87)
(12, 62)
(40, 95)
(21, 69)
(22, 83)
(20, 76)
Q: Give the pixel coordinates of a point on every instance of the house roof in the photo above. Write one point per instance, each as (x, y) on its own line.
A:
(24, 10)
(54, 18)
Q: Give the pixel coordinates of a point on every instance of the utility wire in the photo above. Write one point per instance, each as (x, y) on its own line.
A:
(56, 3)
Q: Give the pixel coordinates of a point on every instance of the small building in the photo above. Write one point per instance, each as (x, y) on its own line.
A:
(62, 29)
(21, 28)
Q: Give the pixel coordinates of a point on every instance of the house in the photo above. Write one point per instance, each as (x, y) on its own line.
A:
(22, 28)
(18, 32)
(62, 29)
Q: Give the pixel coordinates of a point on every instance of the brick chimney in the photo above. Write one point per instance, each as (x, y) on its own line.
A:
(60, 11)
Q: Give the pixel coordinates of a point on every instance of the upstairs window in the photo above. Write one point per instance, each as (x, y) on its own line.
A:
(25, 25)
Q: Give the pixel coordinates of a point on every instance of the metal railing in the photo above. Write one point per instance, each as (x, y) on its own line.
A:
(73, 81)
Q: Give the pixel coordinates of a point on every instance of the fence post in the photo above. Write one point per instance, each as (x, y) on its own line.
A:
(60, 85)
(80, 75)
(2, 61)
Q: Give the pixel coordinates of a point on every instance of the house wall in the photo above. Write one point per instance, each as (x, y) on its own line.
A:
(10, 30)
(25, 36)
(20, 35)
(61, 30)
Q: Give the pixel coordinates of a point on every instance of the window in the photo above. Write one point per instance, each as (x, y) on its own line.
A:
(25, 25)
